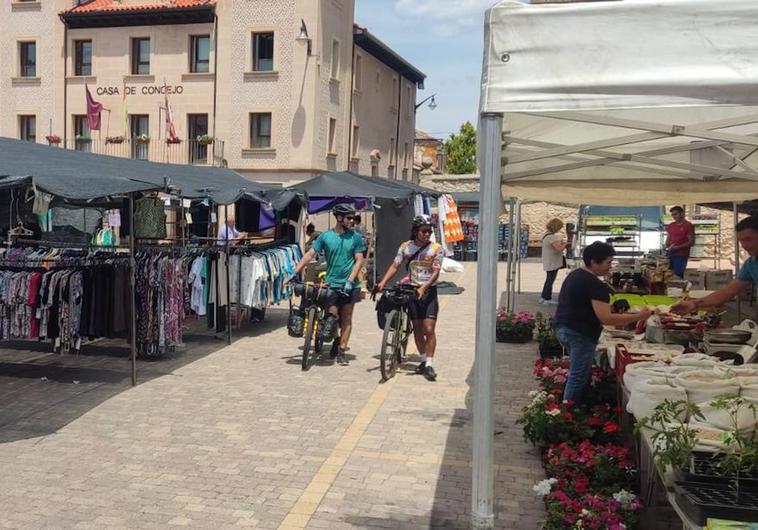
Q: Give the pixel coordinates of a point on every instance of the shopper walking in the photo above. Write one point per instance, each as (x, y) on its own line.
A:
(553, 246)
(583, 308)
(680, 236)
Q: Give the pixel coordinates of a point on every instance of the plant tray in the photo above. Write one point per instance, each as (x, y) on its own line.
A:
(701, 501)
(704, 468)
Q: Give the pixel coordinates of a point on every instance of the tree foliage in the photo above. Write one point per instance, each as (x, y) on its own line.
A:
(461, 150)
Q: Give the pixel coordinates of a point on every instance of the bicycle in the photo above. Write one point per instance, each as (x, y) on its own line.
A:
(317, 296)
(397, 329)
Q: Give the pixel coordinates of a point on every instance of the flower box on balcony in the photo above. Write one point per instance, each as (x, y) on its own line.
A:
(205, 139)
(53, 139)
(114, 140)
(142, 139)
(82, 139)
(173, 141)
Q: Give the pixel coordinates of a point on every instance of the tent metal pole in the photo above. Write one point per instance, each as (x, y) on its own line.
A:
(133, 289)
(509, 262)
(514, 249)
(518, 248)
(737, 259)
(228, 285)
(482, 478)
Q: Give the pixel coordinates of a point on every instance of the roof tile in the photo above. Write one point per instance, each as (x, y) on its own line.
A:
(106, 6)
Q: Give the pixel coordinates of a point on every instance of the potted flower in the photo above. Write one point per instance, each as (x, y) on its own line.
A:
(547, 421)
(173, 140)
(53, 139)
(549, 346)
(514, 327)
(114, 139)
(142, 139)
(593, 510)
(205, 139)
(82, 139)
(589, 467)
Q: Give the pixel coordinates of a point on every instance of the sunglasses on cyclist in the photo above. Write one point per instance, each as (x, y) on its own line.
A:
(426, 230)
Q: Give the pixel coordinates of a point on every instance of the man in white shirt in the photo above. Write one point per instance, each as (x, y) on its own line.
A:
(228, 232)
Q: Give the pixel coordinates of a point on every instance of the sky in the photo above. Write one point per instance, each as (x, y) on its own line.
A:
(443, 39)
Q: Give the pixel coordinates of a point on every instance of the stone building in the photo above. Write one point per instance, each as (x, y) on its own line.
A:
(275, 90)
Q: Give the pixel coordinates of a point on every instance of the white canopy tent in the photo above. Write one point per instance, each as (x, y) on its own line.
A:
(631, 102)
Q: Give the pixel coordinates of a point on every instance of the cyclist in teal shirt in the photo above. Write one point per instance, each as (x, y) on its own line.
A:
(747, 235)
(343, 249)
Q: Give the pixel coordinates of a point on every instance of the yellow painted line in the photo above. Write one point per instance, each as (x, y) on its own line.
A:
(300, 514)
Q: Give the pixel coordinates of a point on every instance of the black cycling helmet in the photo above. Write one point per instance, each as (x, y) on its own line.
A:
(421, 220)
(344, 210)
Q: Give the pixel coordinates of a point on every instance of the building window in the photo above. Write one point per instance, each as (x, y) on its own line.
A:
(140, 56)
(28, 56)
(200, 54)
(354, 147)
(82, 140)
(335, 73)
(83, 57)
(140, 128)
(358, 73)
(197, 126)
(260, 130)
(332, 136)
(27, 128)
(263, 52)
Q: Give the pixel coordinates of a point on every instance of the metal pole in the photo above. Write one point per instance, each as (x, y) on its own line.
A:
(509, 248)
(482, 478)
(133, 285)
(518, 247)
(228, 285)
(514, 250)
(737, 260)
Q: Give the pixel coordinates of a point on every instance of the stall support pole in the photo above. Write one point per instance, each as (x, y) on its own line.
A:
(228, 284)
(518, 248)
(482, 477)
(133, 286)
(737, 260)
(508, 277)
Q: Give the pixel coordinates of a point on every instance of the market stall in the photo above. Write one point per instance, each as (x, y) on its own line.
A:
(660, 110)
(98, 286)
(393, 203)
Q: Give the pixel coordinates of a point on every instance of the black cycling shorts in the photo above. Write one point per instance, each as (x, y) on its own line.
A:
(339, 299)
(427, 307)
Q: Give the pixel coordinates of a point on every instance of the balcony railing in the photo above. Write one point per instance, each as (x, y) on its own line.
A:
(186, 152)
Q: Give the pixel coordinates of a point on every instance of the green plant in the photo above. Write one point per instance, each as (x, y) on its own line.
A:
(205, 139)
(142, 138)
(545, 333)
(673, 439)
(742, 452)
(114, 140)
(514, 327)
(82, 138)
(460, 150)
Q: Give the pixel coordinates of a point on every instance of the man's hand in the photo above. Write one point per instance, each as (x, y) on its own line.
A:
(346, 290)
(644, 314)
(684, 307)
(380, 287)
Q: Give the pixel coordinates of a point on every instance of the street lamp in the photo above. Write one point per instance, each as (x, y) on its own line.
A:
(432, 103)
(303, 37)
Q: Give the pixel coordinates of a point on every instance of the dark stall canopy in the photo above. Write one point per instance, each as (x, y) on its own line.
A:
(77, 175)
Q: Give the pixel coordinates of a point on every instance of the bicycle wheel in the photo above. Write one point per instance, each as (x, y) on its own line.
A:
(390, 346)
(319, 339)
(311, 326)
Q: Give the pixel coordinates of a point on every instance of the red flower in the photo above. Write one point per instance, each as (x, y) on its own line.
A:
(594, 421)
(611, 427)
(567, 416)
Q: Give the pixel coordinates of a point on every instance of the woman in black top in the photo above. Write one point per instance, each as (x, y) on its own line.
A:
(583, 308)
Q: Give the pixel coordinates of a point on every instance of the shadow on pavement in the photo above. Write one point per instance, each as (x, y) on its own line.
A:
(41, 392)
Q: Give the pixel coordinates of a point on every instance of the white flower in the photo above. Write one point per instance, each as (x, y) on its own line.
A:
(533, 393)
(544, 487)
(538, 397)
(624, 497)
(554, 412)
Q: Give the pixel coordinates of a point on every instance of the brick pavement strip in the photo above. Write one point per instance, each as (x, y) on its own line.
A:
(242, 437)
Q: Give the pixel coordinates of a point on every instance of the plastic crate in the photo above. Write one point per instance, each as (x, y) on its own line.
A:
(701, 501)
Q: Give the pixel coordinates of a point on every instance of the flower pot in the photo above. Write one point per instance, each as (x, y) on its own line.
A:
(550, 351)
(703, 501)
(114, 140)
